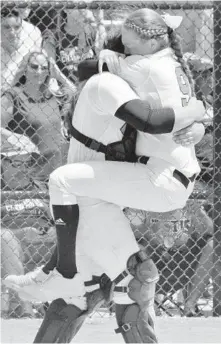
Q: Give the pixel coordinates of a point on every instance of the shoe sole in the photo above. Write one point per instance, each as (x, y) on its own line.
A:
(26, 295)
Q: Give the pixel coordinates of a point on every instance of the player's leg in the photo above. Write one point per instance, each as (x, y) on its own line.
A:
(63, 320)
(126, 184)
(96, 242)
(66, 216)
(106, 240)
(147, 187)
(116, 251)
(135, 308)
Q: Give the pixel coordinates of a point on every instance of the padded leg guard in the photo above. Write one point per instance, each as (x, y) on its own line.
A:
(135, 324)
(135, 320)
(62, 321)
(60, 324)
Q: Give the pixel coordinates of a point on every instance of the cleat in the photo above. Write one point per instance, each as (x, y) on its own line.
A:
(37, 286)
(31, 278)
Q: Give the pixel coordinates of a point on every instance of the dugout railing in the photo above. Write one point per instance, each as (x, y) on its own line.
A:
(175, 241)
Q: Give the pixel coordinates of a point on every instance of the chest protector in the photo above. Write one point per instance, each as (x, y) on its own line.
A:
(123, 150)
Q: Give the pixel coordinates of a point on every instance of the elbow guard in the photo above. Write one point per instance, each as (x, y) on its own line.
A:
(139, 115)
(161, 121)
(135, 113)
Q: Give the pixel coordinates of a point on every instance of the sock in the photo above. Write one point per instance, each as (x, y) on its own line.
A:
(49, 266)
(66, 221)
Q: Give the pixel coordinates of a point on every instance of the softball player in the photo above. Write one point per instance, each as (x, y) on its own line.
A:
(99, 249)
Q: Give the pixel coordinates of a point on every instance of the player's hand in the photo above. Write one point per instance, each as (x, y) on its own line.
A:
(199, 109)
(111, 58)
(190, 135)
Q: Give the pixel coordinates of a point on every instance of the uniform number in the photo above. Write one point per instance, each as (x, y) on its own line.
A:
(183, 83)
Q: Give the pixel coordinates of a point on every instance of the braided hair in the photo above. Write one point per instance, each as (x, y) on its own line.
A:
(145, 33)
(146, 24)
(175, 44)
(149, 24)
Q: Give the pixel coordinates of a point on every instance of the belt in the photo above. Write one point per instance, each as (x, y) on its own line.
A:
(183, 179)
(176, 174)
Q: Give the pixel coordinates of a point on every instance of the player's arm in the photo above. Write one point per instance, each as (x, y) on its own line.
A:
(139, 114)
(118, 99)
(88, 68)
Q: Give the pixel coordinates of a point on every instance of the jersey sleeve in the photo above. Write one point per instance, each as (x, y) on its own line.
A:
(112, 93)
(135, 70)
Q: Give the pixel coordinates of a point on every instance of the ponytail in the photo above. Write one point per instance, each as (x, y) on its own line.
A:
(175, 44)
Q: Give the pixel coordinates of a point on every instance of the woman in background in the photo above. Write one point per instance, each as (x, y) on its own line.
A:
(18, 39)
(30, 110)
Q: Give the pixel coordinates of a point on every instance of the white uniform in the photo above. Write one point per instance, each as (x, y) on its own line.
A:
(96, 253)
(150, 187)
(161, 77)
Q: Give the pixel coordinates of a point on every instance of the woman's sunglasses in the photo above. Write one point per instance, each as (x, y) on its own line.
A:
(7, 12)
(35, 66)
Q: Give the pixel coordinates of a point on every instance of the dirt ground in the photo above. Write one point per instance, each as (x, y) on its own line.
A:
(101, 330)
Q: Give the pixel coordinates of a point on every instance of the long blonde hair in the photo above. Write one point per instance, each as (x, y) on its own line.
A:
(44, 87)
(148, 24)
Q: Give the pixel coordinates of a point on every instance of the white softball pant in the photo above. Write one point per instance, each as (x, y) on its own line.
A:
(150, 187)
(105, 240)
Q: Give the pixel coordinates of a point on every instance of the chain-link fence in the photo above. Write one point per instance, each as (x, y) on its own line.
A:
(35, 96)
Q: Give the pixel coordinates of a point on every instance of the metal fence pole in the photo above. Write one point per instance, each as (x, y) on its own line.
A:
(217, 162)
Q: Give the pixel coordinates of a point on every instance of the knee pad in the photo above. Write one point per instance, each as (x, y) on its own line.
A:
(141, 288)
(135, 324)
(135, 321)
(62, 321)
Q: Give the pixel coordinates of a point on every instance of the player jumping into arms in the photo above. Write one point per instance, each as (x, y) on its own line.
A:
(160, 180)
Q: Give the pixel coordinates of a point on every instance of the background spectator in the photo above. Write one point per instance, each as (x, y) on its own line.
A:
(31, 109)
(18, 38)
(77, 37)
(180, 244)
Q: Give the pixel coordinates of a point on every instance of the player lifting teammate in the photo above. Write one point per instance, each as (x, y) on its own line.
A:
(161, 183)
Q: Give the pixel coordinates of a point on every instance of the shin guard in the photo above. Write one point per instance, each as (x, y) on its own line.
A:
(135, 321)
(62, 321)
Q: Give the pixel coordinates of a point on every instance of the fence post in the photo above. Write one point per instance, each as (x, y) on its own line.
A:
(217, 162)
